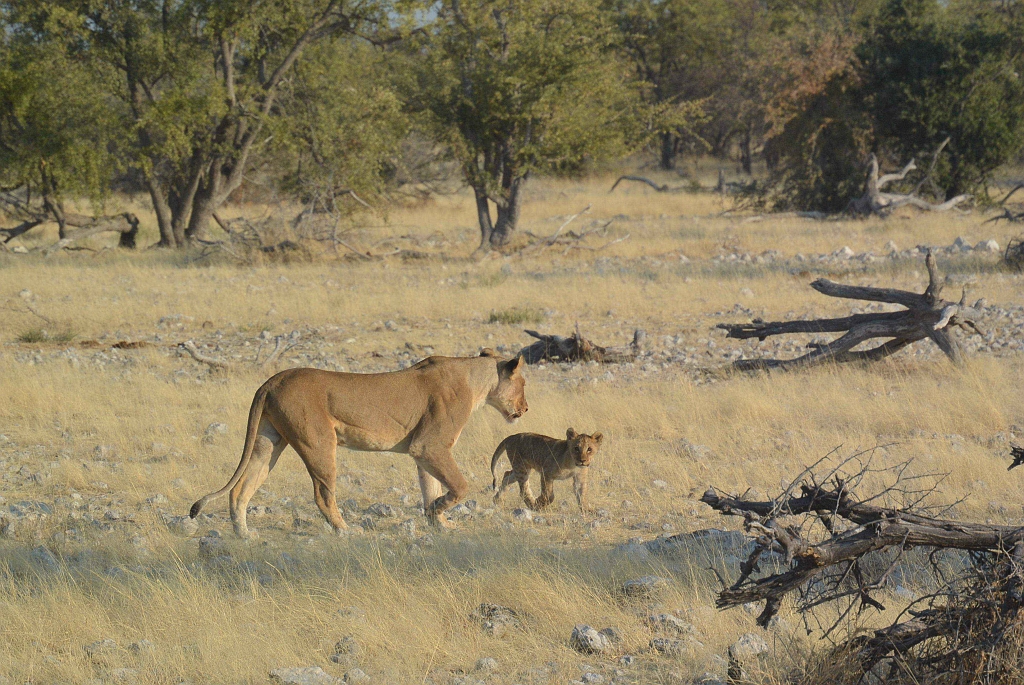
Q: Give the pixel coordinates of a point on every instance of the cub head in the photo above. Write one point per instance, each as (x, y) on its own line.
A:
(509, 396)
(582, 447)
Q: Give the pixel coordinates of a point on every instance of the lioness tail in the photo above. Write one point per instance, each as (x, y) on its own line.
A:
(494, 461)
(255, 414)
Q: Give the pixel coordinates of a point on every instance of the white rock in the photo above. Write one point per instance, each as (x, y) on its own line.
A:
(297, 675)
(592, 678)
(183, 525)
(671, 623)
(672, 647)
(141, 647)
(588, 640)
(100, 646)
(660, 484)
(44, 557)
(19, 249)
(749, 645)
(644, 586)
(524, 515)
(987, 246)
(486, 664)
(356, 675)
(890, 247)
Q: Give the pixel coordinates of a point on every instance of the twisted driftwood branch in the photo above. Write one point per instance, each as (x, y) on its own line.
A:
(927, 315)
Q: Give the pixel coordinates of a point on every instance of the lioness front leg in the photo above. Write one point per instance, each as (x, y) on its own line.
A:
(579, 486)
(441, 466)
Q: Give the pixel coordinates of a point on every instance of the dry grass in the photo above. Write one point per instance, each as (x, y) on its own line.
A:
(277, 603)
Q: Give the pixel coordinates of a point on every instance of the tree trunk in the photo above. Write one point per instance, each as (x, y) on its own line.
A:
(668, 151)
(508, 215)
(483, 215)
(202, 212)
(746, 157)
(163, 215)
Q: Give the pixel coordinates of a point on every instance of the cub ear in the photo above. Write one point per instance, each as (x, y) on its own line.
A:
(570, 433)
(488, 352)
(511, 367)
(598, 437)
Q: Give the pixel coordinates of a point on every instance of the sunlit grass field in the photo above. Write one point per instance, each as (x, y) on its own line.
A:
(115, 442)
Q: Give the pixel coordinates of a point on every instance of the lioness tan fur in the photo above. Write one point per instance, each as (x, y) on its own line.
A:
(419, 411)
(555, 459)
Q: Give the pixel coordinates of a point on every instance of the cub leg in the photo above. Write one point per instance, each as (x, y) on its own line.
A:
(547, 491)
(510, 477)
(579, 486)
(525, 490)
(268, 447)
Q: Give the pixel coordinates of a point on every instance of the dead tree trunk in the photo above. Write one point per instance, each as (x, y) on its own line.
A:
(822, 545)
(576, 348)
(926, 316)
(875, 201)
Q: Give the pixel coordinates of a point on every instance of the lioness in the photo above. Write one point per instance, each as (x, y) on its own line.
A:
(419, 411)
(555, 459)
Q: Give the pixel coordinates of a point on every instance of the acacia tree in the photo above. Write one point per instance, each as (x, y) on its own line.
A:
(55, 143)
(198, 83)
(662, 39)
(933, 70)
(520, 86)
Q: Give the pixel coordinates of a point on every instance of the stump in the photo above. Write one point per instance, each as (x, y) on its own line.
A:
(576, 348)
(926, 316)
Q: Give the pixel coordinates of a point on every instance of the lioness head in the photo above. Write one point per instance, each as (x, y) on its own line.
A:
(509, 396)
(582, 447)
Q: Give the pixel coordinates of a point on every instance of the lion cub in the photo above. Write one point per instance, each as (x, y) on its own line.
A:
(555, 459)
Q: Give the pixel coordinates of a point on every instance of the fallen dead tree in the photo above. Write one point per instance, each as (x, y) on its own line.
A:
(834, 554)
(31, 215)
(281, 344)
(576, 348)
(876, 201)
(926, 315)
(570, 240)
(1014, 256)
(1011, 213)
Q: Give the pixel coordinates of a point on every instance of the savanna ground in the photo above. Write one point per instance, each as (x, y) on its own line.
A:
(102, 448)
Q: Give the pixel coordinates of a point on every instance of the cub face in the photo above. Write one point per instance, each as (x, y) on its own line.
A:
(582, 447)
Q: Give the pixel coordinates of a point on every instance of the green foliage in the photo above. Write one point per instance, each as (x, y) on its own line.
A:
(516, 315)
(515, 88)
(922, 71)
(341, 126)
(933, 70)
(41, 335)
(822, 151)
(58, 135)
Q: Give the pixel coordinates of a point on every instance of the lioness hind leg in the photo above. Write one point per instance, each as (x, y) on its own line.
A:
(321, 463)
(268, 447)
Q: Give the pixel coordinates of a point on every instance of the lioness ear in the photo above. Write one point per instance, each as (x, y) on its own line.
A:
(512, 366)
(488, 352)
(597, 438)
(570, 434)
